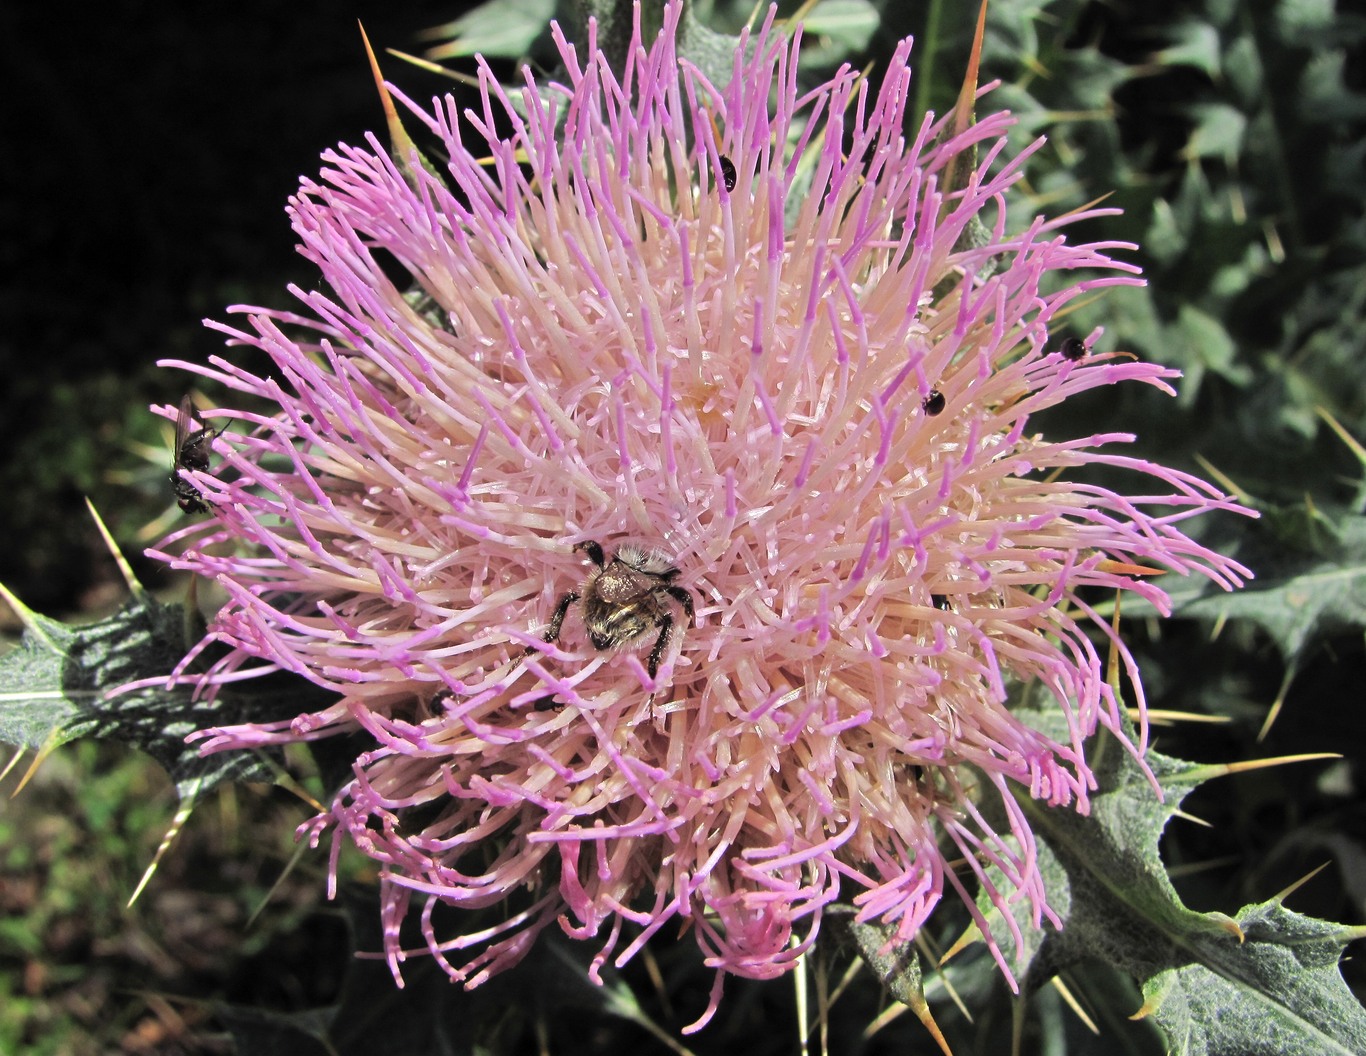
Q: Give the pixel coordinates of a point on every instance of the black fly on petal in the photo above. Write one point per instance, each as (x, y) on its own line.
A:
(191, 452)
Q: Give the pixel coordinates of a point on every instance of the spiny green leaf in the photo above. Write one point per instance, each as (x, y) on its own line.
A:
(1104, 877)
(1277, 993)
(850, 23)
(57, 686)
(1206, 346)
(1122, 908)
(1218, 133)
(498, 28)
(1304, 21)
(1195, 43)
(33, 711)
(1322, 593)
(56, 679)
(1325, 92)
(1267, 983)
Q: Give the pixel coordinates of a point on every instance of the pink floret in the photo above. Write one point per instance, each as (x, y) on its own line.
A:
(596, 340)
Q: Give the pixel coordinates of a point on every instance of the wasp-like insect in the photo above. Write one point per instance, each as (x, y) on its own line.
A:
(624, 600)
(191, 452)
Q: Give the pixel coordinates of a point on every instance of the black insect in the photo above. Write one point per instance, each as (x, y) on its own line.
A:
(727, 172)
(624, 600)
(933, 403)
(1073, 348)
(191, 452)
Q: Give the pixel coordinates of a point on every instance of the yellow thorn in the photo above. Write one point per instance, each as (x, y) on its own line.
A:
(661, 989)
(49, 746)
(13, 761)
(1276, 706)
(925, 946)
(124, 567)
(385, 99)
(1191, 818)
(967, 95)
(799, 15)
(970, 935)
(890, 1014)
(1146, 1009)
(1230, 925)
(1223, 480)
(294, 859)
(28, 618)
(401, 145)
(1123, 568)
(1112, 661)
(182, 815)
(754, 13)
(284, 779)
(1162, 716)
(1296, 885)
(1262, 764)
(191, 620)
(435, 67)
(1081, 209)
(927, 1021)
(1076, 306)
(821, 976)
(30, 621)
(1347, 438)
(959, 167)
(1175, 872)
(850, 974)
(1074, 1004)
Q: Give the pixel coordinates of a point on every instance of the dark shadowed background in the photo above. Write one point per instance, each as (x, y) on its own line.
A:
(148, 150)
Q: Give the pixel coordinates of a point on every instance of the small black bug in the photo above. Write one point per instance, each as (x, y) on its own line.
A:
(933, 403)
(727, 172)
(1072, 348)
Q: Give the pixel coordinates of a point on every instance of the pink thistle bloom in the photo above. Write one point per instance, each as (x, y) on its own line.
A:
(804, 405)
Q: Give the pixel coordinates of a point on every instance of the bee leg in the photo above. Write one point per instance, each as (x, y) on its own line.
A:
(684, 598)
(593, 550)
(666, 627)
(556, 622)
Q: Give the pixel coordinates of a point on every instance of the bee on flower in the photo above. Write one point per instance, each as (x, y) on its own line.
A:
(789, 426)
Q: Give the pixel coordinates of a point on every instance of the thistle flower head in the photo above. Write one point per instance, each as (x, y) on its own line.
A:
(805, 399)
